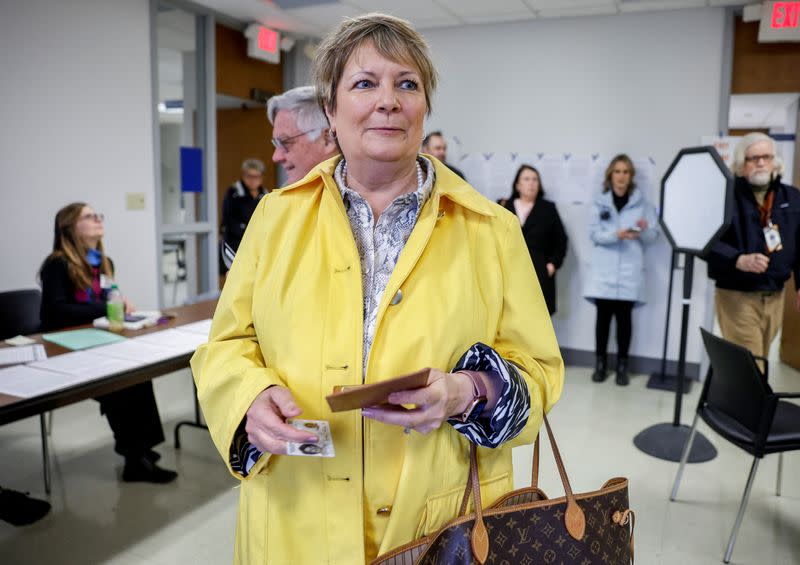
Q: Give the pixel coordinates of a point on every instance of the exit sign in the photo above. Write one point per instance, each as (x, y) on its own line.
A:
(780, 21)
(263, 43)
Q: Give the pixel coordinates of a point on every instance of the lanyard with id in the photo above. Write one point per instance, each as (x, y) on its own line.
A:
(772, 236)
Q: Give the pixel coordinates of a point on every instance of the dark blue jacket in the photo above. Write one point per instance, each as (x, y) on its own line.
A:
(746, 235)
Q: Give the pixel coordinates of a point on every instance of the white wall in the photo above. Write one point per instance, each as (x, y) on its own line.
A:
(76, 125)
(647, 84)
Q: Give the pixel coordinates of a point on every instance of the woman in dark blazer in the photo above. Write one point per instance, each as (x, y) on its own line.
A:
(541, 225)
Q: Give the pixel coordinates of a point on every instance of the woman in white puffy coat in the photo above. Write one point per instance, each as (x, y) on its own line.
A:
(623, 222)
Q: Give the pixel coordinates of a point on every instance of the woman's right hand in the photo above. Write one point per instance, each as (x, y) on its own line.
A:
(266, 425)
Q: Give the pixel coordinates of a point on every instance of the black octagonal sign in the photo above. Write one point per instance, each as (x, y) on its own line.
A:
(696, 200)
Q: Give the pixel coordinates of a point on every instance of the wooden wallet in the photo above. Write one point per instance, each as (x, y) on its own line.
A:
(350, 397)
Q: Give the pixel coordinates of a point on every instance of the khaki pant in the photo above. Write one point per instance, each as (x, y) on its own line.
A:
(750, 319)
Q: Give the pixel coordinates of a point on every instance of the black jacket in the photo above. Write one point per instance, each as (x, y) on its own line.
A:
(456, 170)
(746, 235)
(60, 307)
(547, 243)
(237, 209)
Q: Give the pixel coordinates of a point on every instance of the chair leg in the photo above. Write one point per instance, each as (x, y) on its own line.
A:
(748, 487)
(780, 474)
(687, 449)
(45, 454)
(50, 423)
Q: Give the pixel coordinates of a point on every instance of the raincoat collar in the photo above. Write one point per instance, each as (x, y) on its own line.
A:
(448, 185)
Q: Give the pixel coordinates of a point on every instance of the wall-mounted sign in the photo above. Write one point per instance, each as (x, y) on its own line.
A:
(780, 21)
(263, 43)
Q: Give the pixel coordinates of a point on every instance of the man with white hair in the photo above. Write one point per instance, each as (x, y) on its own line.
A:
(760, 250)
(301, 137)
(300, 132)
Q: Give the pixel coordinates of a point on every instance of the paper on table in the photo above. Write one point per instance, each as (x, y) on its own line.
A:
(183, 342)
(201, 327)
(16, 355)
(18, 340)
(136, 350)
(26, 381)
(86, 364)
(82, 339)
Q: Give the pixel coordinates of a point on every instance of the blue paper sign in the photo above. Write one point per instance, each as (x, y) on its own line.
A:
(191, 169)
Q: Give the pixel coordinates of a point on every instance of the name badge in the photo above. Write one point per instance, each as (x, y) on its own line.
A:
(105, 282)
(773, 238)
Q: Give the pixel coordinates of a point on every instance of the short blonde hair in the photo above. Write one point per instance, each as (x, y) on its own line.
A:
(392, 37)
(739, 152)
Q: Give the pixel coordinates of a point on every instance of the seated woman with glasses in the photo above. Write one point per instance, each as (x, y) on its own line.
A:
(76, 278)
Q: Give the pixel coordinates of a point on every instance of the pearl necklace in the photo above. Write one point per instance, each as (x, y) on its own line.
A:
(420, 176)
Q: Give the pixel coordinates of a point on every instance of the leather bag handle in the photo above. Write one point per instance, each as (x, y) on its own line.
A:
(574, 518)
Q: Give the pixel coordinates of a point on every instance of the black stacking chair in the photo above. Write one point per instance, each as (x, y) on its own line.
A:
(738, 403)
(19, 312)
(19, 315)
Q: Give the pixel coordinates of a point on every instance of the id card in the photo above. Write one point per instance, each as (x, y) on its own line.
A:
(324, 444)
(773, 238)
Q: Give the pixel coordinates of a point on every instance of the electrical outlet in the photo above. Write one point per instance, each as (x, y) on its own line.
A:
(134, 200)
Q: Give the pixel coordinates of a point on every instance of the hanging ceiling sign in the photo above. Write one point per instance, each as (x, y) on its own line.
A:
(263, 43)
(780, 21)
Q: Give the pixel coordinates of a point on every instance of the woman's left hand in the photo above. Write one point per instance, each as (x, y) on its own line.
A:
(446, 395)
(129, 307)
(551, 269)
(642, 223)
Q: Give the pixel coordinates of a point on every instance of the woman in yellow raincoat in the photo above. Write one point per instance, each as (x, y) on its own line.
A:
(378, 263)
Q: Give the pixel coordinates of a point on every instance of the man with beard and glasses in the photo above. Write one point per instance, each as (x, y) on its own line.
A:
(755, 256)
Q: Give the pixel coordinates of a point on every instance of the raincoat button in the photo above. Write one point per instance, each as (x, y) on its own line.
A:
(384, 510)
(397, 297)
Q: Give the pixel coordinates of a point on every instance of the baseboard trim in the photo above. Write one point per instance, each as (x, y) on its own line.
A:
(636, 364)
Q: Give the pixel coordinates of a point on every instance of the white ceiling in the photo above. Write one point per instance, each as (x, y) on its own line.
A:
(314, 18)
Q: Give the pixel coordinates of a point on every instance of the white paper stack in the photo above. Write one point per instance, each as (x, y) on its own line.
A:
(26, 381)
(178, 341)
(136, 350)
(87, 364)
(201, 327)
(24, 354)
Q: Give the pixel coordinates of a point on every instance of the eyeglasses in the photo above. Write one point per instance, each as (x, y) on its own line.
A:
(284, 142)
(757, 158)
(95, 217)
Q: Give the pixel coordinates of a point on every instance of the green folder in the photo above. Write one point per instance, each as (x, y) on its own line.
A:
(82, 339)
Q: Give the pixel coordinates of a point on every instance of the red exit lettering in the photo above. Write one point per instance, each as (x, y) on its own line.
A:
(785, 15)
(267, 40)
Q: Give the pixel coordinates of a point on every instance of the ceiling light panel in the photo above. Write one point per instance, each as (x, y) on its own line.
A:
(571, 4)
(654, 5)
(326, 16)
(485, 8)
(296, 4)
(413, 10)
(563, 12)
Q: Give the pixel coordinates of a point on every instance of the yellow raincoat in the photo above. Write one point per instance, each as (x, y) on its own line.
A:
(291, 314)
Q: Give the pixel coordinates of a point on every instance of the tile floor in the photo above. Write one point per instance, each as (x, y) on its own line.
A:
(97, 519)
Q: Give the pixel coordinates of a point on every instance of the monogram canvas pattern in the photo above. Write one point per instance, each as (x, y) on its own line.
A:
(531, 531)
(534, 535)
